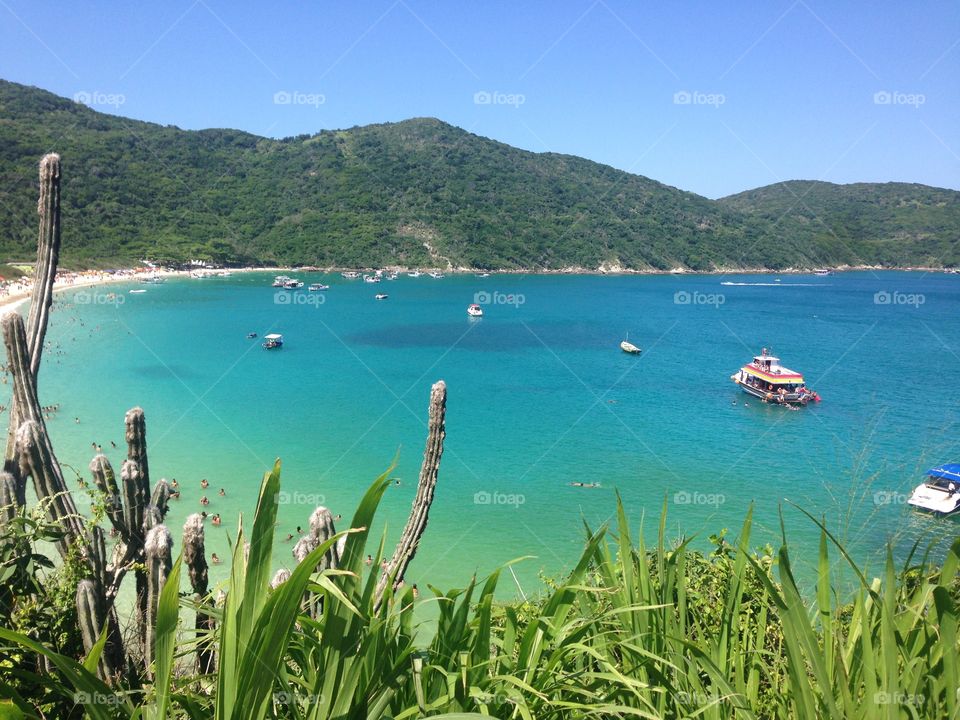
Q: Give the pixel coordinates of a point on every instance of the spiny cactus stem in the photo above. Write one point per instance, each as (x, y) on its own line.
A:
(136, 436)
(45, 273)
(158, 548)
(419, 513)
(37, 461)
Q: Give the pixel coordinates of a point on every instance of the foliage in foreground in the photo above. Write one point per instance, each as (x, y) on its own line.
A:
(661, 632)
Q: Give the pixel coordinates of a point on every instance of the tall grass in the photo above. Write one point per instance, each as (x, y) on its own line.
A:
(632, 632)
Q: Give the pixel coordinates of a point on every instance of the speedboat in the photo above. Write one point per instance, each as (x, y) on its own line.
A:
(381, 296)
(371, 278)
(318, 286)
(273, 341)
(629, 347)
(293, 284)
(137, 292)
(483, 275)
(415, 273)
(392, 276)
(350, 274)
(940, 492)
(474, 310)
(765, 378)
(822, 272)
(436, 275)
(280, 280)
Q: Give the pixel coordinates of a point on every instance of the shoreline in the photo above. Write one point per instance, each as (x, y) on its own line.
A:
(22, 290)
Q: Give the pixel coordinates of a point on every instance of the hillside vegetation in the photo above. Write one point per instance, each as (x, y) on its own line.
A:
(422, 192)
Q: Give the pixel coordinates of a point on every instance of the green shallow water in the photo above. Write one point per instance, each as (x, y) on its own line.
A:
(540, 396)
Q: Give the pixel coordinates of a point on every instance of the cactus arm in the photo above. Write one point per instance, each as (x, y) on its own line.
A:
(41, 299)
(420, 511)
(158, 549)
(194, 555)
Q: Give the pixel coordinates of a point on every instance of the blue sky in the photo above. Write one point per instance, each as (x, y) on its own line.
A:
(709, 97)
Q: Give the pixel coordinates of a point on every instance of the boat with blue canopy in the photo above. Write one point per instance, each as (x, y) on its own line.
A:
(940, 492)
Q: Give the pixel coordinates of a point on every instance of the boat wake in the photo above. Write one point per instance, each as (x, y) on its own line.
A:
(773, 284)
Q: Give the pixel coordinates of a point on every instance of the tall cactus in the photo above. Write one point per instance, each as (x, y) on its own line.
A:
(194, 555)
(45, 273)
(419, 513)
(158, 549)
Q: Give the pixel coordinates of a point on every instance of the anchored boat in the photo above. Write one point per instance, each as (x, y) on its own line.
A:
(629, 347)
(765, 378)
(940, 492)
(474, 310)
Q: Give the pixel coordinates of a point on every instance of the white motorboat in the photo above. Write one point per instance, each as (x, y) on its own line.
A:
(436, 275)
(273, 341)
(381, 296)
(474, 310)
(629, 347)
(371, 278)
(280, 280)
(293, 284)
(414, 274)
(940, 492)
(318, 286)
(350, 274)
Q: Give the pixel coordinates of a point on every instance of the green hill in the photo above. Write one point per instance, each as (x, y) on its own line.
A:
(420, 192)
(894, 224)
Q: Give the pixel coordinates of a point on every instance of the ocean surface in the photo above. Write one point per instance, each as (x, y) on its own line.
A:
(540, 397)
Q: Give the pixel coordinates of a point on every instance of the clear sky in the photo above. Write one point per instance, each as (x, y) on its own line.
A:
(713, 97)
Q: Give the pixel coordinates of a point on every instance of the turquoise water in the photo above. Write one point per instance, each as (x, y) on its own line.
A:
(540, 396)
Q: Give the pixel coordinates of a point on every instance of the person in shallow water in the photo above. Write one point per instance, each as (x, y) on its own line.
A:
(214, 559)
(204, 484)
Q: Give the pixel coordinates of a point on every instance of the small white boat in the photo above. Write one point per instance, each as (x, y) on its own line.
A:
(318, 286)
(822, 272)
(474, 310)
(940, 493)
(436, 275)
(273, 341)
(483, 275)
(371, 278)
(415, 273)
(153, 279)
(392, 276)
(350, 274)
(137, 292)
(629, 347)
(293, 284)
(381, 296)
(280, 280)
